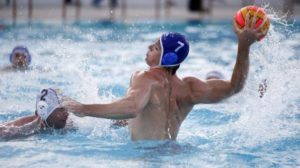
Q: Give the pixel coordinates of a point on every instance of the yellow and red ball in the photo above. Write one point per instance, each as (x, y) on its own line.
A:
(254, 11)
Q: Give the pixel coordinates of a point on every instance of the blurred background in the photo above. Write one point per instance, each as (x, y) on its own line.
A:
(132, 10)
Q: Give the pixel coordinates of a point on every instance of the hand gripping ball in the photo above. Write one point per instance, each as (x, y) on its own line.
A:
(257, 18)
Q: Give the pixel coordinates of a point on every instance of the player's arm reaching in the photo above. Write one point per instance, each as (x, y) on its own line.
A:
(211, 91)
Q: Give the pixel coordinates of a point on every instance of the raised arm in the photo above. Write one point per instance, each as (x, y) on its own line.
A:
(135, 100)
(211, 91)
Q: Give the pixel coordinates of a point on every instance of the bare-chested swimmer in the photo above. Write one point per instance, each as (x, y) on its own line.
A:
(157, 100)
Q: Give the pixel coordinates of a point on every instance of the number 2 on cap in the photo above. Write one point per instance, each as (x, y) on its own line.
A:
(44, 93)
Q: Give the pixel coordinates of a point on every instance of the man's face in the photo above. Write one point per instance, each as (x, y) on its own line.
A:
(58, 118)
(20, 61)
(153, 54)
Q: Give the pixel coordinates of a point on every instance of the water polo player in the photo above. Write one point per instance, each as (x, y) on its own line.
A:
(20, 57)
(49, 114)
(157, 100)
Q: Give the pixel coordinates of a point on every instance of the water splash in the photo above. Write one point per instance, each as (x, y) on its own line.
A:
(272, 117)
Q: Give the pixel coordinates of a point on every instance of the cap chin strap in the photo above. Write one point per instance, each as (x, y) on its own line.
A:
(42, 111)
(168, 65)
(163, 66)
(161, 52)
(44, 124)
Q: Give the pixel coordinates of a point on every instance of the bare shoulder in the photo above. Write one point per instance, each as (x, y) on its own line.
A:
(189, 79)
(198, 89)
(192, 81)
(138, 74)
(140, 79)
(142, 76)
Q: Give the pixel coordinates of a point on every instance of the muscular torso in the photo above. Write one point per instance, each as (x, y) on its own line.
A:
(168, 105)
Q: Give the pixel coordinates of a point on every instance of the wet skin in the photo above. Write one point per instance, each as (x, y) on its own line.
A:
(58, 118)
(20, 61)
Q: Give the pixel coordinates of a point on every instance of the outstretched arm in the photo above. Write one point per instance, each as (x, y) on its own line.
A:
(20, 127)
(136, 99)
(211, 91)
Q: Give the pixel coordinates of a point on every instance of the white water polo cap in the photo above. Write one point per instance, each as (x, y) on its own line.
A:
(46, 102)
(174, 49)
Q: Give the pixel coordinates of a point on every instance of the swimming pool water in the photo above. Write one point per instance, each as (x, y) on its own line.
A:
(93, 61)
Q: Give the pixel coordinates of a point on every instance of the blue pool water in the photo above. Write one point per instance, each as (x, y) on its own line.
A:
(93, 62)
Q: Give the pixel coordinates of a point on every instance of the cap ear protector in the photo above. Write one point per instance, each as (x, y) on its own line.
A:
(169, 58)
(42, 108)
(42, 105)
(174, 49)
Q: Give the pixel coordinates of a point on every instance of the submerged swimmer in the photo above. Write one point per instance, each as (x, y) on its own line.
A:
(157, 100)
(49, 114)
(20, 58)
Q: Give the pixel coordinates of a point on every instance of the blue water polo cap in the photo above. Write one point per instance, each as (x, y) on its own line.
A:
(174, 49)
(22, 50)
